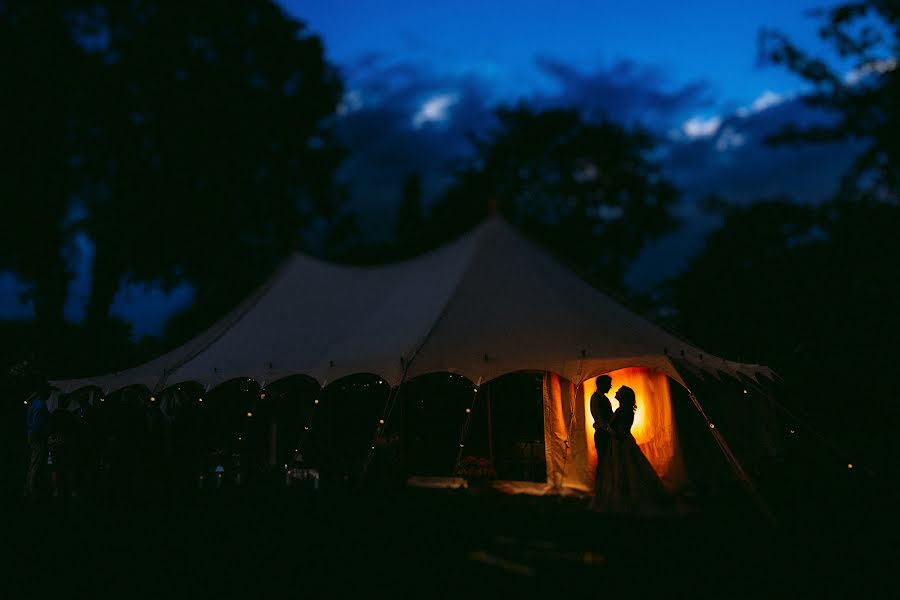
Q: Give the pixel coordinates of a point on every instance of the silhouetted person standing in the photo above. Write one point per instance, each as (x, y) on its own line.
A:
(38, 429)
(602, 411)
(626, 481)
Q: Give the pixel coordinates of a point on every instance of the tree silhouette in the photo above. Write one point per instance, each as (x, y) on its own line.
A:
(42, 69)
(191, 142)
(587, 190)
(213, 149)
(866, 100)
(409, 229)
(811, 292)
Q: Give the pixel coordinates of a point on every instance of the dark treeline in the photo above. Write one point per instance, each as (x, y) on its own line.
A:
(193, 142)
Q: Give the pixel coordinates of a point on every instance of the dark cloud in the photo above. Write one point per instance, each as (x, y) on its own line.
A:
(383, 97)
(387, 143)
(737, 165)
(626, 92)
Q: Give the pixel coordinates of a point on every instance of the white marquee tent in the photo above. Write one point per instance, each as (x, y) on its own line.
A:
(488, 304)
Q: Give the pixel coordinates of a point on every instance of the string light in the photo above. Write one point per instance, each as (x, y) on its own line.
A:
(381, 421)
(25, 402)
(316, 401)
(712, 425)
(262, 395)
(199, 399)
(849, 465)
(468, 410)
(102, 399)
(152, 398)
(745, 391)
(249, 413)
(306, 427)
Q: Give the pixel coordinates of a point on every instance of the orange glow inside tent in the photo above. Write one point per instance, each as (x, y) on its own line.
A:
(654, 424)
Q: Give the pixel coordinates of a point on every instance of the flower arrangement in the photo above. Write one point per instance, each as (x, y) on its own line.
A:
(475, 467)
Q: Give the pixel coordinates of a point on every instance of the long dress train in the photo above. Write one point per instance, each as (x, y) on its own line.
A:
(626, 482)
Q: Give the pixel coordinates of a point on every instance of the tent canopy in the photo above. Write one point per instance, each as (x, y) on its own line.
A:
(488, 304)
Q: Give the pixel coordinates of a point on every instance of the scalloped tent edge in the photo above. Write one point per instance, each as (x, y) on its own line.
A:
(488, 304)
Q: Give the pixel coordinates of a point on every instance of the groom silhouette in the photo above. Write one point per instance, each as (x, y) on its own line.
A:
(601, 410)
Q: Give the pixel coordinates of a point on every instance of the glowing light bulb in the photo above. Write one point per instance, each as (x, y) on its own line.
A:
(712, 425)
(25, 402)
(468, 410)
(745, 391)
(849, 465)
(462, 445)
(152, 398)
(249, 413)
(262, 395)
(306, 427)
(102, 399)
(381, 421)
(316, 401)
(199, 399)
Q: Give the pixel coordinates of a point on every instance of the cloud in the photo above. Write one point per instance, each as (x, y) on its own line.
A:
(406, 119)
(740, 167)
(434, 110)
(624, 91)
(873, 67)
(698, 127)
(763, 102)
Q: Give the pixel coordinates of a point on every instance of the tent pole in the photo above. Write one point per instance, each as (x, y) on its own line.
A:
(734, 463)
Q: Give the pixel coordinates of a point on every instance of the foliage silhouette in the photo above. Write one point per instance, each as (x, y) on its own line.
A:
(810, 292)
(190, 142)
(866, 100)
(586, 190)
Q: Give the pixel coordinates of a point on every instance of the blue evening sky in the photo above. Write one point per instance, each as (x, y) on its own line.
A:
(500, 39)
(421, 76)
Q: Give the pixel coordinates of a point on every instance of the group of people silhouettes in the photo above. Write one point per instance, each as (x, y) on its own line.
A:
(626, 481)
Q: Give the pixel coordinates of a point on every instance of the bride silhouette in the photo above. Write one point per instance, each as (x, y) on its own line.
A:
(626, 482)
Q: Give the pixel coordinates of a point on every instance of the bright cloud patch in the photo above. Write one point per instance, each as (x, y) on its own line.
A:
(765, 100)
(698, 127)
(879, 67)
(434, 110)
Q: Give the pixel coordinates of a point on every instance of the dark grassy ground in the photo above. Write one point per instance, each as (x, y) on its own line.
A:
(258, 542)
